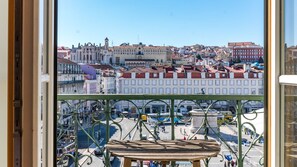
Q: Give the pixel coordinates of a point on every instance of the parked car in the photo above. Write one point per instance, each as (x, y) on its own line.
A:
(246, 143)
(99, 150)
(111, 158)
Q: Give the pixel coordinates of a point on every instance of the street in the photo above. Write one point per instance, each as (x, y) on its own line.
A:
(228, 133)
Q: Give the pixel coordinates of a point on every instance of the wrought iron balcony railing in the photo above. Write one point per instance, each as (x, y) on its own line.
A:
(92, 120)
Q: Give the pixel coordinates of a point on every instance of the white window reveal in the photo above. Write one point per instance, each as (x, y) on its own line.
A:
(238, 91)
(224, 82)
(168, 90)
(253, 83)
(189, 82)
(168, 82)
(224, 91)
(147, 82)
(209, 82)
(196, 90)
(217, 82)
(246, 91)
(133, 82)
(154, 82)
(182, 90)
(231, 82)
(126, 91)
(231, 90)
(253, 91)
(161, 82)
(182, 82)
(154, 90)
(175, 91)
(147, 91)
(189, 91)
(203, 82)
(217, 91)
(210, 91)
(161, 91)
(196, 82)
(133, 91)
(140, 90)
(175, 82)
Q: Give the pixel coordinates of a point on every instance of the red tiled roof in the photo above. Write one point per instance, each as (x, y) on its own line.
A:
(126, 75)
(210, 75)
(102, 67)
(65, 61)
(181, 75)
(196, 75)
(224, 75)
(154, 74)
(238, 75)
(140, 75)
(168, 75)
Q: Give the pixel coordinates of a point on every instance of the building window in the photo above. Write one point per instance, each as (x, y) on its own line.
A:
(175, 91)
(182, 82)
(154, 82)
(160, 82)
(196, 82)
(218, 91)
(189, 91)
(210, 91)
(161, 91)
(168, 90)
(168, 82)
(140, 90)
(174, 82)
(189, 82)
(217, 82)
(231, 82)
(231, 91)
(224, 90)
(203, 82)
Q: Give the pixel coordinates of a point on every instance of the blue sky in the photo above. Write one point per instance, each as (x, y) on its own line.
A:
(160, 22)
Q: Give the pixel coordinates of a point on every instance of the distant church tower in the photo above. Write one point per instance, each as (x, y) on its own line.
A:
(106, 43)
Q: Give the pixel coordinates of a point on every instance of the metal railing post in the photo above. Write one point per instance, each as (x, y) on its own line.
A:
(107, 111)
(239, 134)
(172, 119)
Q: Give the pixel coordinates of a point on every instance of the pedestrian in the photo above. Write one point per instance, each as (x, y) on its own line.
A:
(185, 138)
(232, 163)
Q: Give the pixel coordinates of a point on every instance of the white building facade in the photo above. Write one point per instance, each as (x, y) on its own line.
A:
(191, 83)
(140, 51)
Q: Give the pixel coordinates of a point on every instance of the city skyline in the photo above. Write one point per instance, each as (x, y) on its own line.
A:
(169, 23)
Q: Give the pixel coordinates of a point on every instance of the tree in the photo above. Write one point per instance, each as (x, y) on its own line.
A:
(237, 60)
(198, 56)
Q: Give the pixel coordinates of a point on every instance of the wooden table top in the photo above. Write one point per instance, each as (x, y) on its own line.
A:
(164, 150)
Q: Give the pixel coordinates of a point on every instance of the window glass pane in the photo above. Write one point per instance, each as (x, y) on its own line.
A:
(290, 116)
(290, 27)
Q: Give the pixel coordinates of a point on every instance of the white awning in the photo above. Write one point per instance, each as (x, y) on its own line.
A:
(256, 119)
